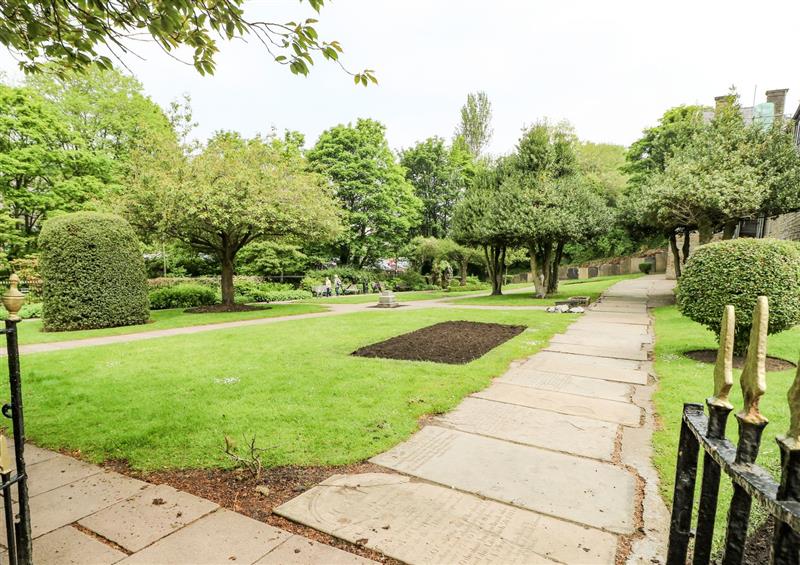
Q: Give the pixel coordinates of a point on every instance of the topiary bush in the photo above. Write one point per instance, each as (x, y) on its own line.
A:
(738, 272)
(93, 273)
(182, 296)
(646, 268)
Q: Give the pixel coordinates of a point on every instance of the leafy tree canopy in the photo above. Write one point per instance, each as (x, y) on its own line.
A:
(475, 127)
(77, 34)
(439, 176)
(380, 207)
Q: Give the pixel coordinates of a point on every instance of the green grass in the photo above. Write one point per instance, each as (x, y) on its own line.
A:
(684, 380)
(410, 296)
(167, 403)
(30, 331)
(592, 288)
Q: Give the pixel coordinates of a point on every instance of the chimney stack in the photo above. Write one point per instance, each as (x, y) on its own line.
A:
(778, 97)
(720, 101)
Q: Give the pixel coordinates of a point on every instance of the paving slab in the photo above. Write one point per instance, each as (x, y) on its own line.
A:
(595, 360)
(69, 546)
(586, 366)
(583, 490)
(625, 318)
(33, 454)
(298, 550)
(593, 350)
(599, 340)
(530, 426)
(570, 384)
(55, 472)
(64, 505)
(220, 537)
(609, 328)
(423, 523)
(612, 411)
(148, 516)
(627, 307)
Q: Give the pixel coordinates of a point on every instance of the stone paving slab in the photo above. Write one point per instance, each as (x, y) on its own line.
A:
(153, 513)
(616, 318)
(583, 490)
(597, 351)
(598, 408)
(627, 307)
(530, 426)
(570, 384)
(599, 340)
(298, 550)
(55, 472)
(65, 505)
(423, 523)
(595, 360)
(586, 366)
(612, 329)
(69, 546)
(220, 537)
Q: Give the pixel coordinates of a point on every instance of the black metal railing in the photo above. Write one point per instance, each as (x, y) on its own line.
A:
(18, 525)
(781, 499)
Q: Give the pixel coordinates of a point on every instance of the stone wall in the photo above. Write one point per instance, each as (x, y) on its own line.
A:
(785, 226)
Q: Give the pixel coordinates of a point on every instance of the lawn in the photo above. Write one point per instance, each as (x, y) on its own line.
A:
(30, 331)
(591, 287)
(410, 296)
(168, 403)
(684, 380)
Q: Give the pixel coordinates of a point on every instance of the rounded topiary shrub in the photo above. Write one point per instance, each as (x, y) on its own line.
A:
(93, 273)
(738, 272)
(182, 296)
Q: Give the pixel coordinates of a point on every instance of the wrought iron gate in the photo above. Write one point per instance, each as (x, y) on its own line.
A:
(12, 473)
(750, 481)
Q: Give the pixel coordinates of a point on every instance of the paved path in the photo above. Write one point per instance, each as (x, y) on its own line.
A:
(550, 464)
(85, 515)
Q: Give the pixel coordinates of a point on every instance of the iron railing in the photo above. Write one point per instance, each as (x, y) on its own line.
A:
(781, 499)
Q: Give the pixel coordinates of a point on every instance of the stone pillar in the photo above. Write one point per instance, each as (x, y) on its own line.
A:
(661, 262)
(583, 272)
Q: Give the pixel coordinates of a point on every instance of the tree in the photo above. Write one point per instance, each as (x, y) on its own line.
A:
(44, 165)
(380, 207)
(439, 176)
(602, 166)
(234, 192)
(476, 122)
(73, 35)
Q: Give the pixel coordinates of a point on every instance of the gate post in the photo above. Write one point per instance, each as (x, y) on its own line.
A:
(12, 300)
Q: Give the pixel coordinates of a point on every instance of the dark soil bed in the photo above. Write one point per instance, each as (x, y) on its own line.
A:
(710, 356)
(222, 308)
(447, 342)
(235, 490)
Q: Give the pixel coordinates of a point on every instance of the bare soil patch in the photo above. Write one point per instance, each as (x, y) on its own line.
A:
(236, 490)
(456, 342)
(710, 356)
(223, 308)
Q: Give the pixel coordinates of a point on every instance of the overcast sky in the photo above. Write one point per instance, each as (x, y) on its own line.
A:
(611, 68)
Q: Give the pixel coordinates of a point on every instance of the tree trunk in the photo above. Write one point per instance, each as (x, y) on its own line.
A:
(538, 283)
(676, 256)
(729, 229)
(495, 259)
(706, 233)
(463, 273)
(547, 261)
(552, 284)
(227, 278)
(686, 244)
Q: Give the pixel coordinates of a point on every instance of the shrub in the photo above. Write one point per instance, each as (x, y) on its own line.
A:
(738, 272)
(473, 284)
(278, 295)
(646, 268)
(347, 274)
(93, 273)
(182, 296)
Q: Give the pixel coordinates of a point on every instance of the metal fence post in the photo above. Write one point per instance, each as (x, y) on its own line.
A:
(786, 542)
(683, 498)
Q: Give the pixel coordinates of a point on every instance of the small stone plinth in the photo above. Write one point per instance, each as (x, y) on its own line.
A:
(387, 300)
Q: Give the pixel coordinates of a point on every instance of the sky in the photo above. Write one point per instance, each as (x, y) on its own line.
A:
(610, 68)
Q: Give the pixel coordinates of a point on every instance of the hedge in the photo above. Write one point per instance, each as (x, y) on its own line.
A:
(182, 296)
(738, 272)
(93, 273)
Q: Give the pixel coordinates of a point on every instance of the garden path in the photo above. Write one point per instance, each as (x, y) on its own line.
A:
(83, 514)
(550, 464)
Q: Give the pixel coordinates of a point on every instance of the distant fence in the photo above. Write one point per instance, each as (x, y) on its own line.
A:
(750, 481)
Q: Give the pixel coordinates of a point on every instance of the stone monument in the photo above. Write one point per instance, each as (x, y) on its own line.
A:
(387, 299)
